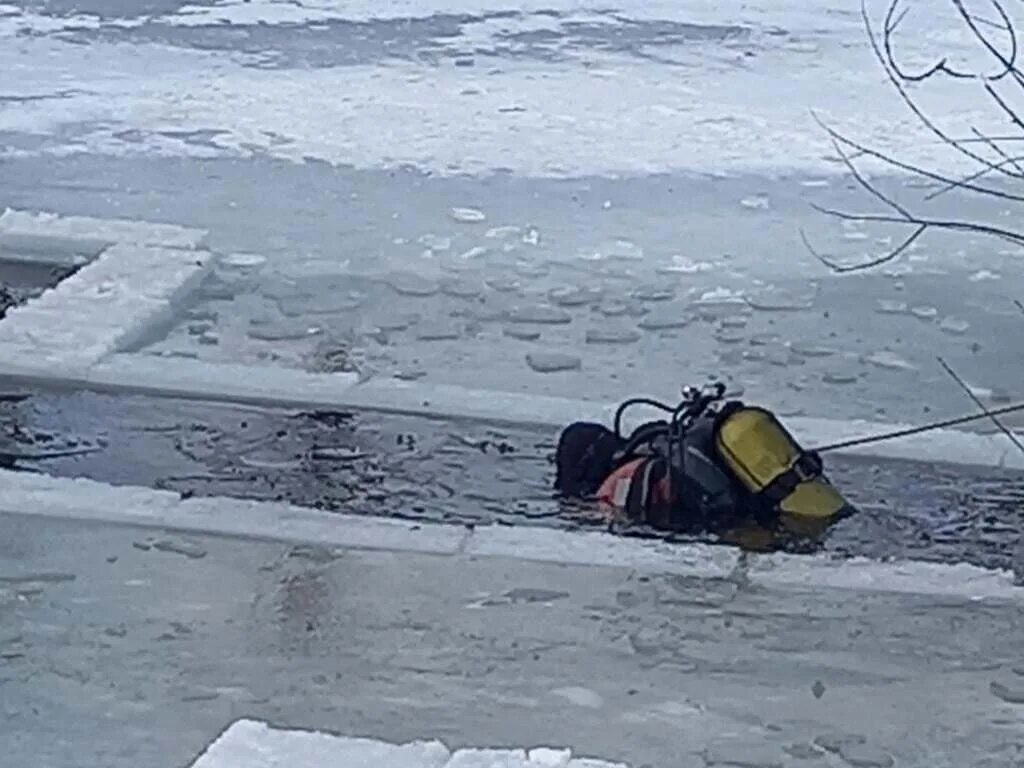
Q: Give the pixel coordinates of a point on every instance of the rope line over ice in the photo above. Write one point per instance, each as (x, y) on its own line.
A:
(922, 429)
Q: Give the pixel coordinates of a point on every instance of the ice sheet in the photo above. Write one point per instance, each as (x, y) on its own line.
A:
(704, 107)
(79, 499)
(252, 744)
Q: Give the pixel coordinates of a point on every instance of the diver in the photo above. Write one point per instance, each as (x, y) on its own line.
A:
(711, 465)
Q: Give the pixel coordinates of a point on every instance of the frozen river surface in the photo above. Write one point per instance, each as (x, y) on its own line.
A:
(554, 197)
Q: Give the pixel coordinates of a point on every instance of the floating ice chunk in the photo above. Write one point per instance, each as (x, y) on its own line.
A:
(618, 307)
(326, 304)
(539, 315)
(620, 248)
(553, 362)
(502, 232)
(531, 236)
(520, 333)
(607, 204)
(438, 332)
(984, 274)
(408, 284)
(468, 215)
(890, 307)
(889, 360)
(729, 336)
(665, 319)
(572, 296)
(686, 266)
(811, 350)
(473, 253)
(733, 321)
(503, 284)
(755, 202)
(854, 235)
(839, 378)
(781, 300)
(337, 453)
(244, 260)
(436, 242)
(598, 336)
(654, 293)
(400, 323)
(954, 325)
(924, 312)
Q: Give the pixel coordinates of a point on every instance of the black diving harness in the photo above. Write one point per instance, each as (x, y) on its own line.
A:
(665, 438)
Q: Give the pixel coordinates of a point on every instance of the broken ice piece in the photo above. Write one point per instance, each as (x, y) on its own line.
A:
(924, 312)
(571, 296)
(889, 360)
(596, 336)
(468, 215)
(839, 378)
(810, 350)
(954, 325)
(244, 260)
(539, 315)
(890, 307)
(686, 266)
(522, 334)
(436, 242)
(755, 202)
(531, 236)
(501, 232)
(654, 293)
(408, 284)
(552, 362)
(338, 453)
(983, 274)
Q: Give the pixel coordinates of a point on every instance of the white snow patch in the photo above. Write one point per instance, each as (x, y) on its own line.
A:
(253, 744)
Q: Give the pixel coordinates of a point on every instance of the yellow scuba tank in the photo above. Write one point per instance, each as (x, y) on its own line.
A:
(768, 462)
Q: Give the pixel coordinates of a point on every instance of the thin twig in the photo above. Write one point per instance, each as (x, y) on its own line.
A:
(977, 401)
(883, 52)
(887, 257)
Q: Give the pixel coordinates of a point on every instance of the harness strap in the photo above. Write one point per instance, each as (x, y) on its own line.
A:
(807, 466)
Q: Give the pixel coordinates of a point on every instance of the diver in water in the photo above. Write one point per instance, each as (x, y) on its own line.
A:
(711, 465)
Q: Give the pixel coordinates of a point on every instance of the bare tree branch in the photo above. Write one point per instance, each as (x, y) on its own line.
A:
(1007, 166)
(977, 401)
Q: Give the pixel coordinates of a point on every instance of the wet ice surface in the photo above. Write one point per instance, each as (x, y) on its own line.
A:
(459, 472)
(366, 271)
